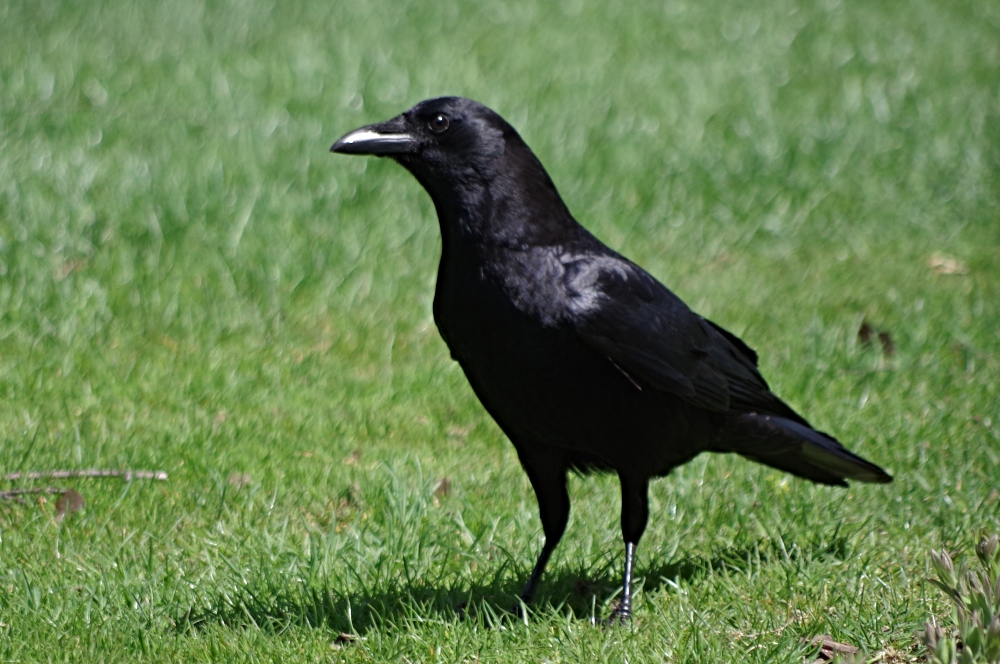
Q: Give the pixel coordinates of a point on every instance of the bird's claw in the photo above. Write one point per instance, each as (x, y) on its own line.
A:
(520, 610)
(620, 615)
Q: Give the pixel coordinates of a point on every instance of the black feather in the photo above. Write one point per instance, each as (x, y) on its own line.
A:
(584, 360)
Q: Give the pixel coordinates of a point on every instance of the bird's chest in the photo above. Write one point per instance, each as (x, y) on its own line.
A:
(489, 323)
(527, 367)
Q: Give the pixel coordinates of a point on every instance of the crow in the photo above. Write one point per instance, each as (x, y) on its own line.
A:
(585, 361)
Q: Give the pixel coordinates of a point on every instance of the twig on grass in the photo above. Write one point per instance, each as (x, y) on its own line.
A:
(15, 494)
(127, 475)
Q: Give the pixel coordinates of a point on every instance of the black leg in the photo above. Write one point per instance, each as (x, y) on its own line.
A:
(635, 514)
(547, 473)
(528, 594)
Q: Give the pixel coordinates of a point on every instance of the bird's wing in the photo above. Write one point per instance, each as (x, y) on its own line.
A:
(622, 312)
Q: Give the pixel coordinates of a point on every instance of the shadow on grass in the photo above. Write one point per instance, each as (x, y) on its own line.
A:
(582, 591)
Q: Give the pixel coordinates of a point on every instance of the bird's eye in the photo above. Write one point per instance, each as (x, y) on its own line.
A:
(439, 123)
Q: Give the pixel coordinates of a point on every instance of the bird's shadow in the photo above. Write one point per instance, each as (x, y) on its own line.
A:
(585, 592)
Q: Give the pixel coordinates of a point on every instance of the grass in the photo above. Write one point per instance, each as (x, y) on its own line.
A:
(189, 282)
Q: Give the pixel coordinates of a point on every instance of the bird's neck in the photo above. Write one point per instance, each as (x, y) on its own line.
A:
(518, 208)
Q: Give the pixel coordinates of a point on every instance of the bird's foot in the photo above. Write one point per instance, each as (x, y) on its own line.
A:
(520, 610)
(621, 614)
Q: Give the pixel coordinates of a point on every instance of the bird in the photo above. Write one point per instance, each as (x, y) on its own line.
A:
(585, 361)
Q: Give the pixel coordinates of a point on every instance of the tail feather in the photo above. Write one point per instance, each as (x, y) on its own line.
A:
(801, 450)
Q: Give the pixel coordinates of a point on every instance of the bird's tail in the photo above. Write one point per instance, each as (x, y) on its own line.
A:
(801, 450)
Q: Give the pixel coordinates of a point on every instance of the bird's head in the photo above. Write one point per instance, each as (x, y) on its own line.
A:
(471, 162)
(443, 138)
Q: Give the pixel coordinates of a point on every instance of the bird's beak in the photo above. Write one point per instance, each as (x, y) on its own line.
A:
(385, 138)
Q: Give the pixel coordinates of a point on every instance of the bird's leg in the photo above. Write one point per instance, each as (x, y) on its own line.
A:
(624, 609)
(635, 514)
(553, 506)
(528, 594)
(548, 478)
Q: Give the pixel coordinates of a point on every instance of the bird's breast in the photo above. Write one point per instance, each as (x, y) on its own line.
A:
(538, 379)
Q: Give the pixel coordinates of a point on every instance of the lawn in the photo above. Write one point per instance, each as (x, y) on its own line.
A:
(191, 283)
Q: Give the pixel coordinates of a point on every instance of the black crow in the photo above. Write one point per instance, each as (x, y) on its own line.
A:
(585, 361)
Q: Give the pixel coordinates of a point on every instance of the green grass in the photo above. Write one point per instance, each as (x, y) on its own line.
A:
(190, 282)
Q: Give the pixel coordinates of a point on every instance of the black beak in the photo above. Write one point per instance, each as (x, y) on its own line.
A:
(385, 138)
